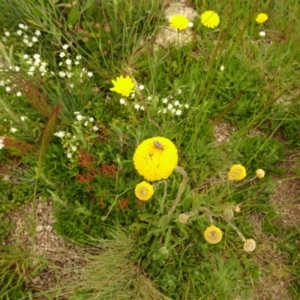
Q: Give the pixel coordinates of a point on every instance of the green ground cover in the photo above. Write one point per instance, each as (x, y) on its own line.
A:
(67, 136)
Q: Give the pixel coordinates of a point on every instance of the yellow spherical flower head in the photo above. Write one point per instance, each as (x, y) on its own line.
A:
(144, 191)
(237, 172)
(155, 158)
(261, 18)
(210, 19)
(213, 234)
(123, 86)
(179, 22)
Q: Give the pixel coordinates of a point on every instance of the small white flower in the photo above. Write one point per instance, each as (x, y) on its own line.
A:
(25, 56)
(19, 94)
(141, 87)
(78, 57)
(90, 74)
(170, 106)
(176, 103)
(60, 134)
(25, 41)
(178, 112)
(30, 73)
(76, 112)
(31, 69)
(222, 68)
(37, 33)
(86, 123)
(132, 95)
(30, 44)
(173, 111)
(142, 107)
(71, 85)
(190, 24)
(21, 26)
(91, 120)
(13, 130)
(62, 54)
(17, 69)
(4, 39)
(65, 46)
(7, 33)
(122, 101)
(165, 100)
(68, 61)
(69, 155)
(164, 110)
(137, 106)
(79, 117)
(36, 56)
(76, 62)
(34, 39)
(61, 74)
(23, 118)
(19, 32)
(73, 148)
(95, 128)
(262, 33)
(8, 89)
(69, 75)
(149, 98)
(179, 91)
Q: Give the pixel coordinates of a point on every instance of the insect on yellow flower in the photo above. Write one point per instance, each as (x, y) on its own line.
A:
(144, 191)
(261, 18)
(213, 234)
(236, 172)
(155, 158)
(179, 22)
(123, 86)
(210, 19)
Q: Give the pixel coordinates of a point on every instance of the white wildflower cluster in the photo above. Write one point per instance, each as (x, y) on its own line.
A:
(35, 64)
(69, 66)
(28, 39)
(166, 105)
(84, 128)
(170, 105)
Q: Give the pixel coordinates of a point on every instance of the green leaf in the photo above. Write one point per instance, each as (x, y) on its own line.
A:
(73, 16)
(46, 136)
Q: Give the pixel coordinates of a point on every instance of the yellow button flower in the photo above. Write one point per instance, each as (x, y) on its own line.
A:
(123, 86)
(213, 234)
(179, 22)
(144, 191)
(210, 19)
(261, 18)
(155, 158)
(236, 172)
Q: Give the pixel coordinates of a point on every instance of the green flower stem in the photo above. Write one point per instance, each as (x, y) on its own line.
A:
(208, 213)
(162, 202)
(234, 227)
(180, 191)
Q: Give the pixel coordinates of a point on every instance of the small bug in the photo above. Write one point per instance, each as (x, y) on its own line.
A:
(158, 145)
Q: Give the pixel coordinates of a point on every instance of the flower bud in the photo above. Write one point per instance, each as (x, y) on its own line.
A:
(237, 209)
(249, 245)
(183, 218)
(228, 214)
(260, 173)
